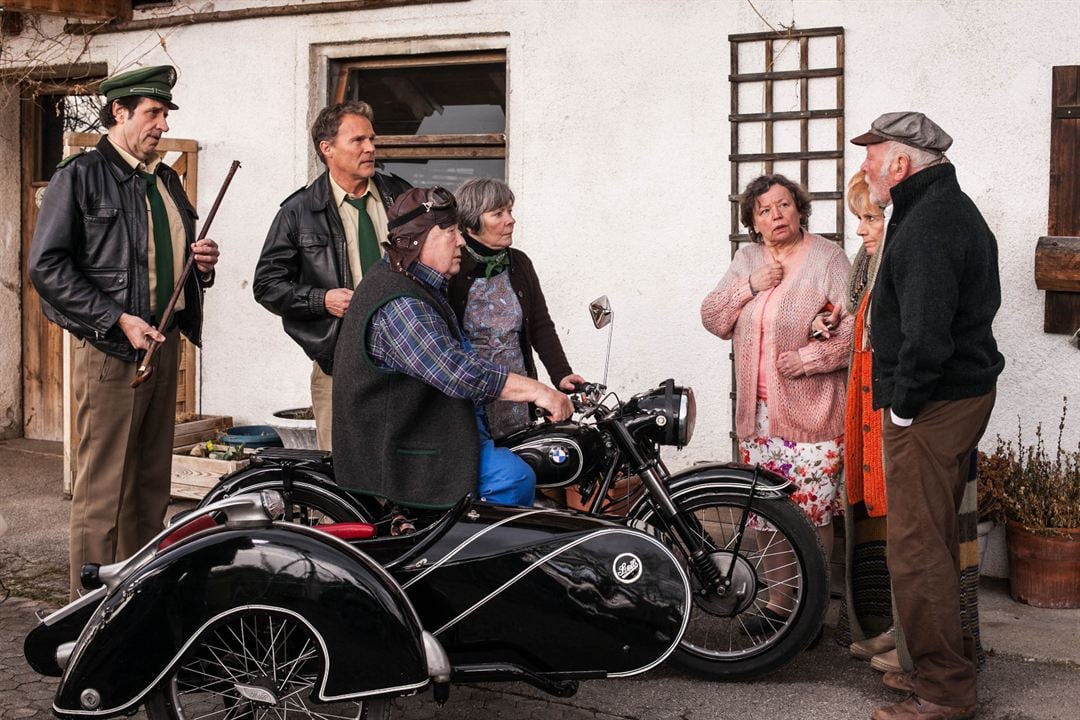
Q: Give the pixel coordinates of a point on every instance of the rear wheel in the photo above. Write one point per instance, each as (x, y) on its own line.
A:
(731, 636)
(255, 665)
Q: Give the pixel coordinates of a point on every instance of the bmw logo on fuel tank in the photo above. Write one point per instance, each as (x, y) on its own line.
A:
(558, 455)
(627, 568)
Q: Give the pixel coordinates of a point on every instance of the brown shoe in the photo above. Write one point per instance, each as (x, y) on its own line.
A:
(866, 649)
(901, 681)
(915, 708)
(886, 662)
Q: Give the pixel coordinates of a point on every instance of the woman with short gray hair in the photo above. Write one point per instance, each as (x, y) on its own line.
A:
(497, 298)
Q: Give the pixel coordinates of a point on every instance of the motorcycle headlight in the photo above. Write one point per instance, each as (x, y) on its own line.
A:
(673, 410)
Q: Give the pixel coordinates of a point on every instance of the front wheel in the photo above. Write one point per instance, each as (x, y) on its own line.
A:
(738, 635)
(253, 665)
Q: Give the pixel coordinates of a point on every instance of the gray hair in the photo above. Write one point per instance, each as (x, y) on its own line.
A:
(325, 127)
(478, 196)
(920, 159)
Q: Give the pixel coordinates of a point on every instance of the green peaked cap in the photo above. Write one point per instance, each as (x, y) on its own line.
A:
(153, 82)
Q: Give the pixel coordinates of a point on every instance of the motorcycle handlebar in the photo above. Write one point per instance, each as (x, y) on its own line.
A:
(585, 396)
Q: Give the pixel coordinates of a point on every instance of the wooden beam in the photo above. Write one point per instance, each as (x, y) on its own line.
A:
(386, 141)
(785, 34)
(220, 16)
(786, 75)
(768, 157)
(91, 9)
(164, 145)
(452, 152)
(1057, 264)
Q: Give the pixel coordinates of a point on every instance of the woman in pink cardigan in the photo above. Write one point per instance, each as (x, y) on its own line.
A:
(790, 388)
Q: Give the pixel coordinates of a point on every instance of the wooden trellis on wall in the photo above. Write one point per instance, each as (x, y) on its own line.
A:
(787, 116)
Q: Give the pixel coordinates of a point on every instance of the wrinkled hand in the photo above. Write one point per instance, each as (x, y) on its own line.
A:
(139, 333)
(766, 277)
(337, 301)
(206, 254)
(825, 323)
(557, 404)
(789, 364)
(569, 382)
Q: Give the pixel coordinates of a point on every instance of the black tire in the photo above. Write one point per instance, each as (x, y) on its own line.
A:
(268, 655)
(720, 640)
(307, 503)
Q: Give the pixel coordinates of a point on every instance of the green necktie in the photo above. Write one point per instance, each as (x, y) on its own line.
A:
(163, 264)
(369, 244)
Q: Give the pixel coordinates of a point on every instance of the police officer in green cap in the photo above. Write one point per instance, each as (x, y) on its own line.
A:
(113, 233)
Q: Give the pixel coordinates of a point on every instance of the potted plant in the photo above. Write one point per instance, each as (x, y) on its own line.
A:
(993, 469)
(1042, 509)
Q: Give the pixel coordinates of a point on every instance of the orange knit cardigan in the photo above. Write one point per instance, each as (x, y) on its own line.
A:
(805, 409)
(864, 471)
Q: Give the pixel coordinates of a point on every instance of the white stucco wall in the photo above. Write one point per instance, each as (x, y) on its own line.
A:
(618, 136)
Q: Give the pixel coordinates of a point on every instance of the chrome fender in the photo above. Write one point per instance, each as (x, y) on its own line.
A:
(372, 639)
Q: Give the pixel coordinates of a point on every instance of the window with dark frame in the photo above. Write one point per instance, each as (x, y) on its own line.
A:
(61, 111)
(440, 118)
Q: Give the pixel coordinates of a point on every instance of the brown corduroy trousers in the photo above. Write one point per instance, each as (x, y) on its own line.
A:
(123, 459)
(927, 467)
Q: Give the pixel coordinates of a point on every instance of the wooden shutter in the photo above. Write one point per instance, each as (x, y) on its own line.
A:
(1057, 257)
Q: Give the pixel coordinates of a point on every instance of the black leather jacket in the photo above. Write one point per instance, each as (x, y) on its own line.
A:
(303, 257)
(88, 257)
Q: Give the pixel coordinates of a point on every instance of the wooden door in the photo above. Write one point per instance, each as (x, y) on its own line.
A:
(47, 110)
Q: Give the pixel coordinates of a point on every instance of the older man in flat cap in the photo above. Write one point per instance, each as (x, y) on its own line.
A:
(935, 372)
(409, 392)
(114, 230)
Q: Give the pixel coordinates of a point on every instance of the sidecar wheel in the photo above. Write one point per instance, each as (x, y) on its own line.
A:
(253, 665)
(727, 637)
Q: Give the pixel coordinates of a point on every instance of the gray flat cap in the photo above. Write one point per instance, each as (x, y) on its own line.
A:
(910, 128)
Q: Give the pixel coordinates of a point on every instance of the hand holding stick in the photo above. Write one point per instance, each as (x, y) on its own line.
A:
(145, 369)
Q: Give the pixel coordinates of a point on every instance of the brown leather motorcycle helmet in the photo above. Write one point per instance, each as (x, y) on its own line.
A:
(411, 217)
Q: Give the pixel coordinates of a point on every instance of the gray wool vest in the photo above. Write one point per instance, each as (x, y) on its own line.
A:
(397, 437)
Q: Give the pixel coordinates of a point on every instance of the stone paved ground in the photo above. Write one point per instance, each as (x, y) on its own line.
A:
(823, 684)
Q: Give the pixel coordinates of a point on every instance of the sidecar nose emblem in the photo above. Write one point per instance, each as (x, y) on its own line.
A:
(256, 693)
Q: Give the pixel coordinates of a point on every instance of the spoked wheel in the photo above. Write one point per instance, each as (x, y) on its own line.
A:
(779, 589)
(256, 665)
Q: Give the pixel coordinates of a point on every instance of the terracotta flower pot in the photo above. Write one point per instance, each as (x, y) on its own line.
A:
(1045, 570)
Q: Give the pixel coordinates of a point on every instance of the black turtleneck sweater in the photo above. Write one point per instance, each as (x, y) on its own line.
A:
(935, 298)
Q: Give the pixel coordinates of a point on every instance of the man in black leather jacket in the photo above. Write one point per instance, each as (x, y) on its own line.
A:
(324, 236)
(114, 231)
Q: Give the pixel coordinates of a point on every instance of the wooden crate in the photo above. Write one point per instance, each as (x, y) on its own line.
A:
(201, 429)
(192, 477)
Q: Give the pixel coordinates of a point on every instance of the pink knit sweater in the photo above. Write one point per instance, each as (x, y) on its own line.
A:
(804, 409)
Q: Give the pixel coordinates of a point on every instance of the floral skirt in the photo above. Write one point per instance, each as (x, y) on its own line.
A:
(814, 467)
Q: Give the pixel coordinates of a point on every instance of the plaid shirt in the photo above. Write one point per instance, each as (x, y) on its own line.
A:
(409, 336)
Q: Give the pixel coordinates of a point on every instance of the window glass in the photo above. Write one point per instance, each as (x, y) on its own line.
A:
(448, 173)
(60, 114)
(431, 100)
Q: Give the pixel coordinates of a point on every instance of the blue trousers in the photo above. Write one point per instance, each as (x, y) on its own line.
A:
(505, 479)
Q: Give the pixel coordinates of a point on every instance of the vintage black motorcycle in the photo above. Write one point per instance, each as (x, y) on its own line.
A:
(284, 593)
